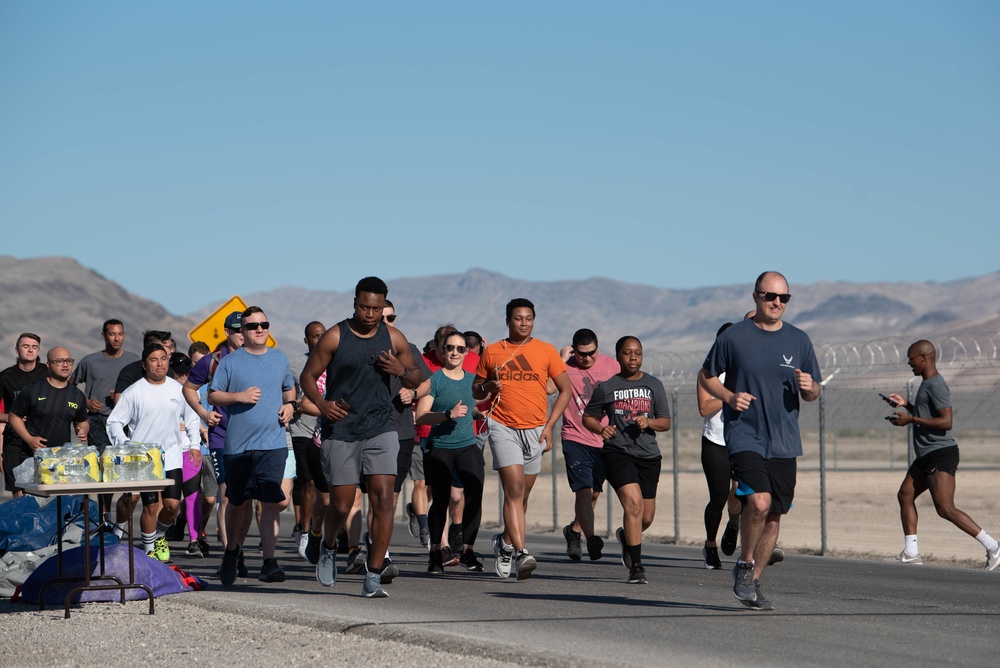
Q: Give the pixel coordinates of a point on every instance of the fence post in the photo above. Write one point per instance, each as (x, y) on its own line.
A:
(555, 502)
(500, 504)
(822, 472)
(403, 495)
(677, 487)
(607, 498)
(909, 427)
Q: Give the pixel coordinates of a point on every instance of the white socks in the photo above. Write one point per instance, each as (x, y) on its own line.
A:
(987, 541)
(911, 545)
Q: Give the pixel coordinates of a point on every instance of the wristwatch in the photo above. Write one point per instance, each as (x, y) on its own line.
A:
(295, 404)
(402, 376)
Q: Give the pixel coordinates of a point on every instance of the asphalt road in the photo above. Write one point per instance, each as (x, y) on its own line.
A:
(828, 611)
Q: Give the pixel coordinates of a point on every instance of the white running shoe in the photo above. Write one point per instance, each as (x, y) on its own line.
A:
(992, 559)
(503, 556)
(905, 558)
(303, 542)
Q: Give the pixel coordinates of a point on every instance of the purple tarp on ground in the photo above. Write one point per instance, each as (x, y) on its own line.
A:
(157, 576)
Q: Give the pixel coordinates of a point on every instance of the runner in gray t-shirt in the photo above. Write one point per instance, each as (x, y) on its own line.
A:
(936, 464)
(302, 428)
(98, 372)
(636, 407)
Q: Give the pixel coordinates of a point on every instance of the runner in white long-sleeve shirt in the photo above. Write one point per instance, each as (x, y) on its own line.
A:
(154, 411)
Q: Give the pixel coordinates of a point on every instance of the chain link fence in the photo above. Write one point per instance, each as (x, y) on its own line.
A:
(853, 459)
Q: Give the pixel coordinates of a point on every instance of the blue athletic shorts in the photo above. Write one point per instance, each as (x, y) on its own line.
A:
(255, 474)
(584, 466)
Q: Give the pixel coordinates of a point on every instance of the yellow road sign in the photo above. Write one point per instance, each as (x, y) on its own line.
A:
(212, 329)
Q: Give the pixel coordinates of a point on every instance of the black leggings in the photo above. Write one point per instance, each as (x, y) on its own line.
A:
(468, 464)
(718, 474)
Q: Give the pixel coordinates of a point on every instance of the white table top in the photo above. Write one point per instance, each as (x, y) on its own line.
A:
(37, 489)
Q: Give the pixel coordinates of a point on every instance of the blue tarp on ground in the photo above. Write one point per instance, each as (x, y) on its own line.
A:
(157, 576)
(25, 527)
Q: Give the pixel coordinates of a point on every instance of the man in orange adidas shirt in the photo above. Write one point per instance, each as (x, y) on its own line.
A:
(515, 371)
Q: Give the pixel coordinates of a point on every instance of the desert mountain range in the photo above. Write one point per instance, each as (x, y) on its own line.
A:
(65, 303)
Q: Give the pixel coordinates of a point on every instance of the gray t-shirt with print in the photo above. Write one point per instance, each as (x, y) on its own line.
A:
(623, 401)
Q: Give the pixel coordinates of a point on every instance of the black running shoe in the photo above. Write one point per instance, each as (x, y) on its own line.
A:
(228, 571)
(637, 575)
(434, 565)
(729, 537)
(595, 547)
(312, 547)
(241, 566)
(712, 561)
(574, 548)
(194, 550)
(455, 538)
(448, 556)
(470, 561)
(389, 571)
(271, 571)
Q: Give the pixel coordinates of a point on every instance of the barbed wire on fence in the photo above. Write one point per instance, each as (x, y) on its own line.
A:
(856, 357)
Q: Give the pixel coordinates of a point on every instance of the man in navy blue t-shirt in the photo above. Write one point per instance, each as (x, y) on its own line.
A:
(769, 365)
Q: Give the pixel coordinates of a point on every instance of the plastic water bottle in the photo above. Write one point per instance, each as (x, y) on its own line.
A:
(131, 467)
(146, 470)
(77, 471)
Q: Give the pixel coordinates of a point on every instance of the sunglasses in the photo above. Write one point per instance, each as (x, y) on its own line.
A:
(254, 326)
(771, 296)
(390, 318)
(450, 348)
(585, 353)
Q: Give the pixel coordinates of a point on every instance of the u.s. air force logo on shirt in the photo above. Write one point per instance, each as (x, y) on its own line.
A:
(788, 361)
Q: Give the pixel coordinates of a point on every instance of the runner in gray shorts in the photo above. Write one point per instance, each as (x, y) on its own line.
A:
(344, 462)
(511, 446)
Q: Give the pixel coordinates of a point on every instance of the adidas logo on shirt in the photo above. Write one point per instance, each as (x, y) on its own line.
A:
(518, 369)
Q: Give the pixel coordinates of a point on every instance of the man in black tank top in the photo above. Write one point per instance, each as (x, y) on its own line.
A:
(359, 356)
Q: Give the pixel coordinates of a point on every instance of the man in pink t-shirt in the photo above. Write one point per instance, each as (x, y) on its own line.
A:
(586, 368)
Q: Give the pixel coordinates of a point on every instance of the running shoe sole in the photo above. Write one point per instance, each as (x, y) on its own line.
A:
(412, 523)
(526, 565)
(626, 559)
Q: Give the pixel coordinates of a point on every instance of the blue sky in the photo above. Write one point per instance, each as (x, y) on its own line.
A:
(191, 151)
